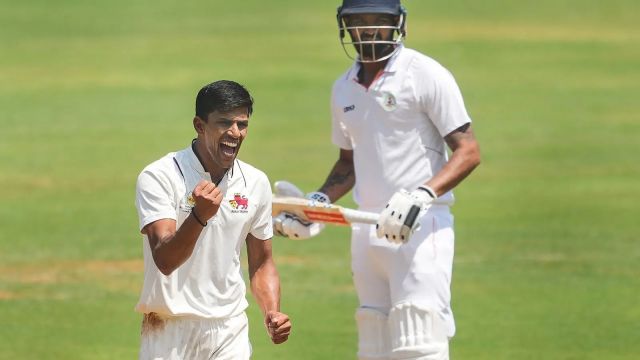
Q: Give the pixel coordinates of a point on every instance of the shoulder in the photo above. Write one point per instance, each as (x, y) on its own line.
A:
(419, 63)
(162, 168)
(344, 77)
(427, 71)
(162, 164)
(417, 59)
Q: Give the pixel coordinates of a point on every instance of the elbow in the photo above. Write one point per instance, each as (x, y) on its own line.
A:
(165, 268)
(476, 160)
(166, 271)
(473, 156)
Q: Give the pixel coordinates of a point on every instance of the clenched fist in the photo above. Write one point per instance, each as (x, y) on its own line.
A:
(278, 326)
(207, 197)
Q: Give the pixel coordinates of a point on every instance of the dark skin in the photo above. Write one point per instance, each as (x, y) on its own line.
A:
(465, 148)
(464, 158)
(341, 178)
(171, 247)
(369, 71)
(217, 129)
(265, 286)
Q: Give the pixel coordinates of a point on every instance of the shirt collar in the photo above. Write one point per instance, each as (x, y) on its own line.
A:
(395, 60)
(193, 160)
(195, 163)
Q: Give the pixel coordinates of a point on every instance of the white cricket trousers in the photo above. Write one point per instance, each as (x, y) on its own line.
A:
(181, 338)
(415, 275)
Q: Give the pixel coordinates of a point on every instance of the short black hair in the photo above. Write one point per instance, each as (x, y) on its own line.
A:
(222, 96)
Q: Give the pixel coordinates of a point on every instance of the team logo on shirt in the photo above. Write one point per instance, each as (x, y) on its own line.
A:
(190, 200)
(239, 203)
(389, 101)
(187, 203)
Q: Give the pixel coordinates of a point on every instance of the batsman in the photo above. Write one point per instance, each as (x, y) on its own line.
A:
(394, 113)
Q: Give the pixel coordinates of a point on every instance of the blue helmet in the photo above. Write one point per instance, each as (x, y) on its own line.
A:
(376, 49)
(391, 7)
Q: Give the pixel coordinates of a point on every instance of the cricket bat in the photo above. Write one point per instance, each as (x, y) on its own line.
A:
(313, 211)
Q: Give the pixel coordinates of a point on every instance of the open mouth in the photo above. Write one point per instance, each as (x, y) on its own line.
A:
(229, 148)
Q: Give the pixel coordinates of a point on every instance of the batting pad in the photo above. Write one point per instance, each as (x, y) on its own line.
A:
(417, 333)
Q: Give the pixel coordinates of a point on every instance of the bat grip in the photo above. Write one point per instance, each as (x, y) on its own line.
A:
(363, 217)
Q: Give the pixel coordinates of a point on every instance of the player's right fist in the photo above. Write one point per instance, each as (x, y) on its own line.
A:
(278, 326)
(289, 225)
(207, 197)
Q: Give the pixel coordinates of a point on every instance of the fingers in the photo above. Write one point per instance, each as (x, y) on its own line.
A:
(217, 196)
(282, 224)
(399, 219)
(206, 189)
(200, 186)
(278, 326)
(208, 198)
(388, 226)
(276, 319)
(278, 223)
(290, 226)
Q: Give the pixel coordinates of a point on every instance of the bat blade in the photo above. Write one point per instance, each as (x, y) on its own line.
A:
(313, 211)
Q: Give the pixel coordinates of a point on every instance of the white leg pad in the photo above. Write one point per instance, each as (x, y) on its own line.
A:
(373, 334)
(417, 333)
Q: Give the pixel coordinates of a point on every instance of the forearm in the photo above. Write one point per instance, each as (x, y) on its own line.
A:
(173, 249)
(341, 178)
(463, 161)
(265, 286)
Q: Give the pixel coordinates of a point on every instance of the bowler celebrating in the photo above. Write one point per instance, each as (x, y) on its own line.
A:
(197, 207)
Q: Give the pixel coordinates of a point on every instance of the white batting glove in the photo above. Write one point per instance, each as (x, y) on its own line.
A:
(400, 218)
(289, 225)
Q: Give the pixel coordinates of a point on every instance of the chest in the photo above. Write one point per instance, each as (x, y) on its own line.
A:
(237, 209)
(388, 107)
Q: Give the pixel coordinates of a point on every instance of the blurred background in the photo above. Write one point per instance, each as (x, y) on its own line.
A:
(547, 245)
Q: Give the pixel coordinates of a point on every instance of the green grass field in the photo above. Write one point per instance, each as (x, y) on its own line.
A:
(547, 247)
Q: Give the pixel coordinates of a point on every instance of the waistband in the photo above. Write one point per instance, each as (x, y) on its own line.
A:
(154, 317)
(153, 321)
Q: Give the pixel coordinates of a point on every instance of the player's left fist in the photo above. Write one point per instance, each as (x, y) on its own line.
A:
(278, 326)
(400, 218)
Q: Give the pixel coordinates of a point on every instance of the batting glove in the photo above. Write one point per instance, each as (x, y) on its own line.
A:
(400, 218)
(289, 225)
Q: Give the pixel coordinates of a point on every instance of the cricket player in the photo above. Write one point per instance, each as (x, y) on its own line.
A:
(197, 207)
(393, 111)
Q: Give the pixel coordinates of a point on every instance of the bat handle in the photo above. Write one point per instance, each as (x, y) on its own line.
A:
(363, 217)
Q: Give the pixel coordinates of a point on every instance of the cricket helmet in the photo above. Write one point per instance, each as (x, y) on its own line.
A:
(376, 48)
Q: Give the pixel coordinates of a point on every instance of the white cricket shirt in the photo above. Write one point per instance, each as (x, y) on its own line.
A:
(396, 126)
(210, 283)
